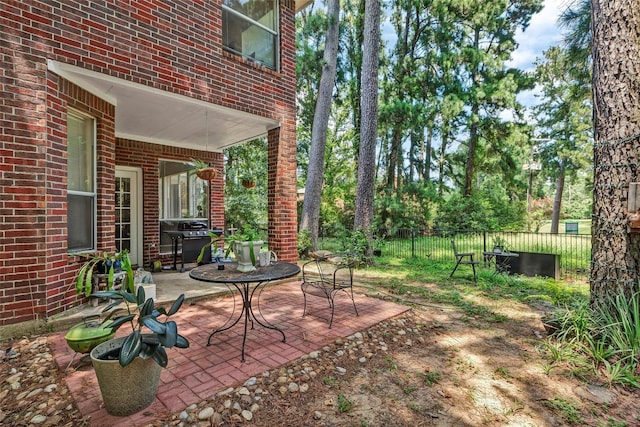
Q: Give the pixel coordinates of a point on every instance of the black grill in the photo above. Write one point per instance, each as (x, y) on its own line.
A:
(193, 240)
(192, 243)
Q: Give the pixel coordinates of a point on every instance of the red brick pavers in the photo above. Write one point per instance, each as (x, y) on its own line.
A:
(199, 372)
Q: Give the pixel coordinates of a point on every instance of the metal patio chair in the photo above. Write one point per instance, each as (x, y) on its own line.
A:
(465, 258)
(325, 276)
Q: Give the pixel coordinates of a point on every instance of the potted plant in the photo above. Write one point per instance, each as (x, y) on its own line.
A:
(109, 263)
(128, 368)
(204, 170)
(245, 244)
(499, 245)
(248, 181)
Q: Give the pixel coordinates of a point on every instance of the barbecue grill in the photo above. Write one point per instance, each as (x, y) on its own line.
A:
(193, 236)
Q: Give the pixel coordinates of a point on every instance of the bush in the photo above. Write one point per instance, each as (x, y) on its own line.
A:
(304, 243)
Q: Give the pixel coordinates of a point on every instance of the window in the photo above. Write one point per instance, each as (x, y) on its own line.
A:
(183, 198)
(250, 29)
(81, 183)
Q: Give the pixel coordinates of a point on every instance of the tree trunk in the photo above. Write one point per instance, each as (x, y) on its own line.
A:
(310, 217)
(557, 202)
(369, 124)
(394, 154)
(616, 83)
(473, 130)
(426, 165)
(442, 159)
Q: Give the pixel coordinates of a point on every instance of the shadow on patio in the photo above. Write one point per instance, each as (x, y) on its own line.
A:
(199, 372)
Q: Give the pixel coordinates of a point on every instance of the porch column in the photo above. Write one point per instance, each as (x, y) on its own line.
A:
(281, 207)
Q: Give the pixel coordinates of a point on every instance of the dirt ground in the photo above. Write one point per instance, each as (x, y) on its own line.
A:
(435, 366)
(444, 368)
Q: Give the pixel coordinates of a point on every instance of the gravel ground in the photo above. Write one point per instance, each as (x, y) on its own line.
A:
(433, 366)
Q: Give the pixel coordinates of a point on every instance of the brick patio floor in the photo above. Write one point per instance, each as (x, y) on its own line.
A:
(199, 372)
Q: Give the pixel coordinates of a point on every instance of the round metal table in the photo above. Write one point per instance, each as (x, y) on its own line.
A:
(247, 285)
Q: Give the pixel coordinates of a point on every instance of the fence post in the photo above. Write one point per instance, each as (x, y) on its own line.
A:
(484, 240)
(413, 243)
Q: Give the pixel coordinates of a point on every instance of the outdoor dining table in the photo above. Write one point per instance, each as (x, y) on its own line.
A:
(247, 285)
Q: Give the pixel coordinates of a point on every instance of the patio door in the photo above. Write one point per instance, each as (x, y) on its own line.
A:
(128, 206)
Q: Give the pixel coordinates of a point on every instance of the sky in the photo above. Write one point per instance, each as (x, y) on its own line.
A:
(542, 33)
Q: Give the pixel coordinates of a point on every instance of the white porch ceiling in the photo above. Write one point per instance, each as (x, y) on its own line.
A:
(155, 116)
(301, 4)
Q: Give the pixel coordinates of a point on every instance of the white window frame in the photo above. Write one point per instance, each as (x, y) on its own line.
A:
(92, 194)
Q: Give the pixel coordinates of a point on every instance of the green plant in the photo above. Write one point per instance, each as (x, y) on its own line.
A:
(618, 319)
(330, 381)
(392, 364)
(109, 262)
(612, 422)
(431, 377)
(344, 404)
(503, 372)
(304, 242)
(567, 409)
(500, 242)
(247, 234)
(198, 164)
(573, 323)
(141, 312)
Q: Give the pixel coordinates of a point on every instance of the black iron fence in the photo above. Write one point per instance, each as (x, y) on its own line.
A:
(574, 249)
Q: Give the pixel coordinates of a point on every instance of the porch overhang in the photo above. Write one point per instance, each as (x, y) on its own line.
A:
(301, 4)
(151, 115)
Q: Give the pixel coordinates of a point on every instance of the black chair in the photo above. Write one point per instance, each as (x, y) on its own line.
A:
(463, 259)
(325, 276)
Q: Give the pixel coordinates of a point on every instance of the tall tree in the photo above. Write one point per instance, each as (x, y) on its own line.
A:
(310, 217)
(369, 124)
(487, 40)
(564, 117)
(615, 257)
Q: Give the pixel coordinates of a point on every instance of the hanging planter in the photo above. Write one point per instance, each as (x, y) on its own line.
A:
(203, 170)
(248, 183)
(207, 174)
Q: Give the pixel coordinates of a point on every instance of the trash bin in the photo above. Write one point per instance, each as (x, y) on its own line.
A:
(571, 228)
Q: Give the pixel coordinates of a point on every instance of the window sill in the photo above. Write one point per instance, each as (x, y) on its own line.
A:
(254, 64)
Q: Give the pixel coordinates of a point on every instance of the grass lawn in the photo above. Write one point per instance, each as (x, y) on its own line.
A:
(584, 226)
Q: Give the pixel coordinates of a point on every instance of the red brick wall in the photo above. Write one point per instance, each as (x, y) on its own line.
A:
(172, 46)
(147, 156)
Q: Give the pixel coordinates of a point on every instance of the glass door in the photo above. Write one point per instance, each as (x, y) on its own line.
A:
(128, 206)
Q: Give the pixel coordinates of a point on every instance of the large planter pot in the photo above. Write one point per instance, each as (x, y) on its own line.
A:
(127, 390)
(242, 250)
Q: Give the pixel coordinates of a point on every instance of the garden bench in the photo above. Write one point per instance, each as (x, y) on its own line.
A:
(325, 276)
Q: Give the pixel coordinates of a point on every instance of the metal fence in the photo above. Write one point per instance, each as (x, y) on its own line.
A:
(574, 249)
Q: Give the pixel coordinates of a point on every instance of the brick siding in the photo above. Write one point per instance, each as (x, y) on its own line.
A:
(171, 46)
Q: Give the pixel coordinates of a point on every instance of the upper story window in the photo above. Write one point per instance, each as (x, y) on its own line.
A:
(81, 182)
(250, 29)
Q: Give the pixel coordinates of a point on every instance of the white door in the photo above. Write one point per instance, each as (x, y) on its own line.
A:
(129, 212)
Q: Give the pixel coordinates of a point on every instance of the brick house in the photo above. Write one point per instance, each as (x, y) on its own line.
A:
(101, 105)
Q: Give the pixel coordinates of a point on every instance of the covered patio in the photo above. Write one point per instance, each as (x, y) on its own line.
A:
(200, 372)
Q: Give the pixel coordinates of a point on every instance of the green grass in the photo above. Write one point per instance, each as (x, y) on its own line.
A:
(584, 226)
(404, 278)
(344, 404)
(567, 409)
